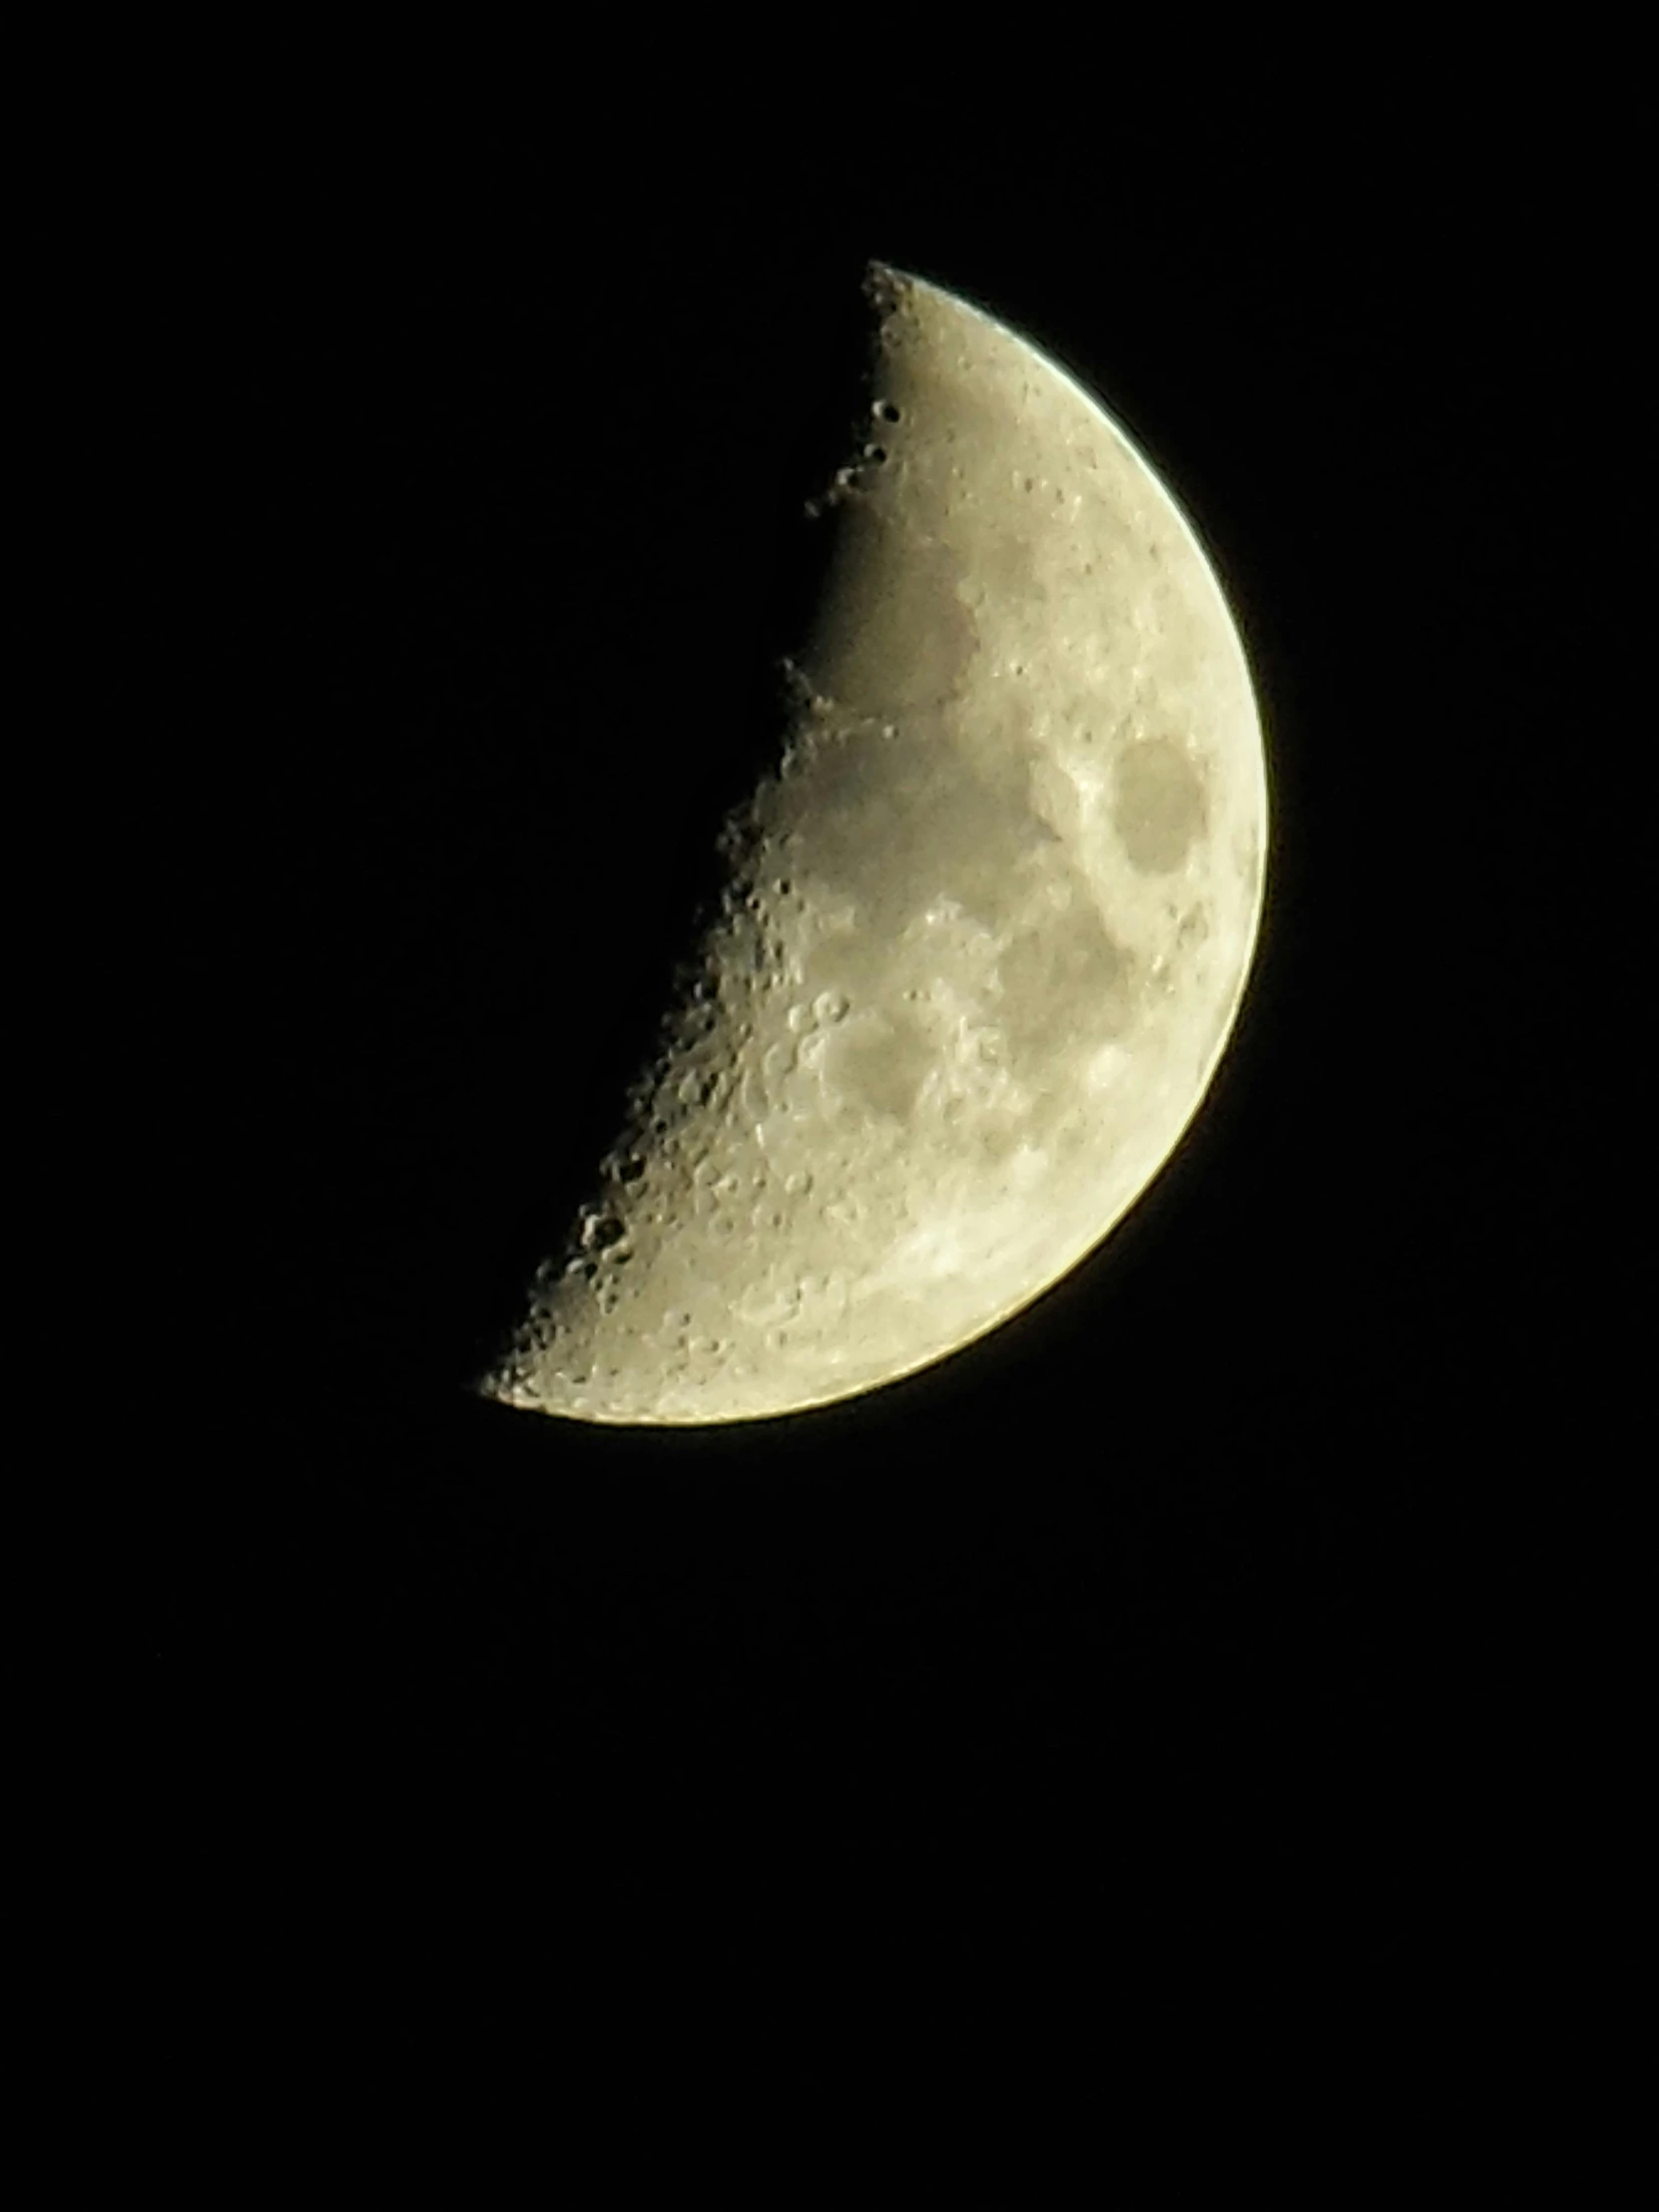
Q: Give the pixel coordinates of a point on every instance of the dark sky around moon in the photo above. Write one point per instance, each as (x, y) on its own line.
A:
(493, 470)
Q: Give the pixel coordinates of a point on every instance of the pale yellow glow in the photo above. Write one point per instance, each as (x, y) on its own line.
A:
(986, 939)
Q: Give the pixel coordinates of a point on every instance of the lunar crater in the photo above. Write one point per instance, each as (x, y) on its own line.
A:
(1158, 804)
(879, 1066)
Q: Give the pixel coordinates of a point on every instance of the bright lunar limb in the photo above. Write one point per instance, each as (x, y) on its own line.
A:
(987, 929)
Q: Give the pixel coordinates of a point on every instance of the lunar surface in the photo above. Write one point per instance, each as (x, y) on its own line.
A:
(986, 930)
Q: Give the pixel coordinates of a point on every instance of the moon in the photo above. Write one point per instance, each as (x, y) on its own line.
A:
(986, 930)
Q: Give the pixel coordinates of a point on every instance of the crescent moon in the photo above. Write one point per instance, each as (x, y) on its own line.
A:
(987, 927)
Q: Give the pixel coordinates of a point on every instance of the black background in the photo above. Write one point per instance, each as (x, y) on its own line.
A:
(1148, 1646)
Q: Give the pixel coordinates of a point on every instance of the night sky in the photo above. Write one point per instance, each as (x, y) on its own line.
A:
(1139, 1645)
